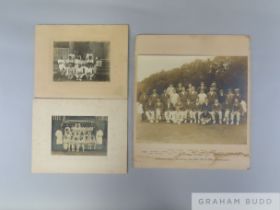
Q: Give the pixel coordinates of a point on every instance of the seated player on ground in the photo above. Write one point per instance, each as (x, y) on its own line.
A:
(178, 116)
(205, 118)
(205, 113)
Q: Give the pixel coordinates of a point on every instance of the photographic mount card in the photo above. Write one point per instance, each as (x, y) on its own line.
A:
(81, 61)
(79, 136)
(195, 90)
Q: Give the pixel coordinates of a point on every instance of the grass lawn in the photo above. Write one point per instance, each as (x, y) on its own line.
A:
(190, 133)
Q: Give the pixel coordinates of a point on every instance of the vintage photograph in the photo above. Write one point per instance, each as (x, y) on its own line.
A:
(192, 102)
(192, 99)
(79, 135)
(81, 61)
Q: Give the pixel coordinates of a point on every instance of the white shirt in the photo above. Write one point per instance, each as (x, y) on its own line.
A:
(99, 137)
(59, 137)
(88, 70)
(170, 90)
(244, 106)
(202, 98)
(174, 98)
(99, 63)
(79, 70)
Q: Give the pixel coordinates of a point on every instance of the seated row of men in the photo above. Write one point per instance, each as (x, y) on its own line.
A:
(76, 138)
(181, 106)
(77, 68)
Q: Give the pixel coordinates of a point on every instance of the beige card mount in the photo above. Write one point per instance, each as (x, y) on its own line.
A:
(79, 136)
(81, 61)
(192, 102)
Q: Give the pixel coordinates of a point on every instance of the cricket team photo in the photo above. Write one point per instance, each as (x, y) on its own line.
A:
(192, 99)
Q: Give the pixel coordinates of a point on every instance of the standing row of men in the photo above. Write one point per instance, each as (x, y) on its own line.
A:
(75, 68)
(78, 138)
(200, 105)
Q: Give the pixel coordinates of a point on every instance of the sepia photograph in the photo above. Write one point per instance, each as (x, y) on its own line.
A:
(79, 135)
(81, 61)
(192, 102)
(192, 99)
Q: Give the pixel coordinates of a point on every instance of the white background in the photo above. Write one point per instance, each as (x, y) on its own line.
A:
(141, 189)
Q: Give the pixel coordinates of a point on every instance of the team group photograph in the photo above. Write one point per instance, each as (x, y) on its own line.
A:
(178, 105)
(84, 135)
(203, 95)
(81, 61)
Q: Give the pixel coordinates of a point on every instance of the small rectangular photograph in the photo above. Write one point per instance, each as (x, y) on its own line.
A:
(192, 99)
(81, 61)
(79, 135)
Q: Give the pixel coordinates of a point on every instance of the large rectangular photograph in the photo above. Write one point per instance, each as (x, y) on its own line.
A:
(79, 135)
(81, 61)
(192, 99)
(192, 102)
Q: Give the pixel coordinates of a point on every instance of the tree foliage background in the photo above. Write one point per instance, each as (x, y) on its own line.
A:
(227, 72)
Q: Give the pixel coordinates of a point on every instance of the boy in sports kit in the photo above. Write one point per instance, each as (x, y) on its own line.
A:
(168, 111)
(143, 99)
(183, 96)
(99, 137)
(170, 90)
(79, 141)
(227, 110)
(88, 72)
(212, 95)
(230, 97)
(158, 110)
(202, 87)
(237, 94)
(205, 117)
(214, 86)
(79, 72)
(192, 95)
(174, 98)
(202, 97)
(236, 112)
(178, 116)
(190, 86)
(90, 142)
(153, 98)
(243, 104)
(150, 111)
(179, 88)
(70, 72)
(188, 111)
(216, 111)
(67, 138)
(71, 60)
(164, 97)
(183, 100)
(61, 67)
(193, 112)
(89, 60)
(221, 96)
(76, 136)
